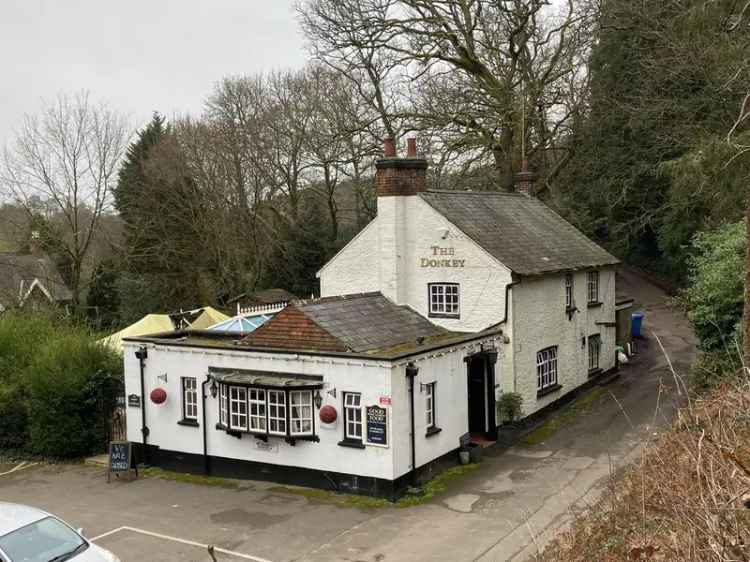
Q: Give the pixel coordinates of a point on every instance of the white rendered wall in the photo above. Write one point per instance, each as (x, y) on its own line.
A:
(372, 379)
(449, 370)
(355, 268)
(540, 321)
(415, 243)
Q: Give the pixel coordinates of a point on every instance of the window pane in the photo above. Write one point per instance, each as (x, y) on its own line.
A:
(352, 416)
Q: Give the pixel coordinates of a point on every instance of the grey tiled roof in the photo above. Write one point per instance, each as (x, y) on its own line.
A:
(18, 272)
(520, 231)
(369, 321)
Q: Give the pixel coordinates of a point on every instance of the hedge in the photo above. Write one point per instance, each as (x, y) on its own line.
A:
(58, 387)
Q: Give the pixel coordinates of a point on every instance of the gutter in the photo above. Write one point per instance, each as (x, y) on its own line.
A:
(411, 372)
(142, 354)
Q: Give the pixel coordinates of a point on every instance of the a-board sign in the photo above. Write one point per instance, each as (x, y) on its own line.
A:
(134, 401)
(377, 425)
(120, 460)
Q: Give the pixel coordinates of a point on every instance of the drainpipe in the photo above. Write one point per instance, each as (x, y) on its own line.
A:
(508, 287)
(206, 467)
(141, 354)
(411, 372)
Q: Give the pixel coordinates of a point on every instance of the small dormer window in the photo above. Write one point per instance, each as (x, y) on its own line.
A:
(443, 300)
(569, 291)
(593, 286)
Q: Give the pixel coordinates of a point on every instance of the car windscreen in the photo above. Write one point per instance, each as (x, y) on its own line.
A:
(42, 541)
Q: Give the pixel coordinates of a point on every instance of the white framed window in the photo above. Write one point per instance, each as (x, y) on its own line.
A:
(444, 299)
(353, 416)
(429, 405)
(300, 419)
(546, 368)
(595, 350)
(257, 409)
(223, 407)
(277, 412)
(593, 286)
(568, 290)
(189, 398)
(238, 408)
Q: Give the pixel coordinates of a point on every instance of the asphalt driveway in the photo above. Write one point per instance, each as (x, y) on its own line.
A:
(505, 510)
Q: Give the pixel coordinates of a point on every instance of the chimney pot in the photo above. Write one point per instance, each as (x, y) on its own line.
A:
(411, 147)
(389, 148)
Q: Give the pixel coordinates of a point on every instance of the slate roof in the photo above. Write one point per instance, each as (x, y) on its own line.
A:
(18, 272)
(362, 323)
(520, 231)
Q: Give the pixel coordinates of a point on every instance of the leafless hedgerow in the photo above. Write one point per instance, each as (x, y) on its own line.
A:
(687, 500)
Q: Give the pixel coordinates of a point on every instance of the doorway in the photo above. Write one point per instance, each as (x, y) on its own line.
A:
(481, 395)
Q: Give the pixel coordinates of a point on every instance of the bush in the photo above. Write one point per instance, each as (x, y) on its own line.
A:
(509, 406)
(715, 297)
(59, 388)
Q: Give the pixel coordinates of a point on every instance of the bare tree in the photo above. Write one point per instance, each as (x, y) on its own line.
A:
(67, 157)
(474, 68)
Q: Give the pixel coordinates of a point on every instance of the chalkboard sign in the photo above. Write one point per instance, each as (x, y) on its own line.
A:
(120, 459)
(377, 425)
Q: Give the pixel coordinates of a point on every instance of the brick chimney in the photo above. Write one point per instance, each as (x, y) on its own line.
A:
(400, 176)
(525, 179)
(397, 181)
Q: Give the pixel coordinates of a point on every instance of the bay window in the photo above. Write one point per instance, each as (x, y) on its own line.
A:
(267, 411)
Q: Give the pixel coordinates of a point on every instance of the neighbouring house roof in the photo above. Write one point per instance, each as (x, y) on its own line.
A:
(521, 232)
(242, 324)
(362, 323)
(267, 296)
(20, 273)
(149, 324)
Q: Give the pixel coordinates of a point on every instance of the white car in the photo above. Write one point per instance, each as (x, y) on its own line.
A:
(28, 534)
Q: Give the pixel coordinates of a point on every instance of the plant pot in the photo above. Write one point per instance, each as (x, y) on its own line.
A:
(464, 457)
(475, 452)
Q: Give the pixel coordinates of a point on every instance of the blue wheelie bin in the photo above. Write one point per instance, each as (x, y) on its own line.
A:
(635, 324)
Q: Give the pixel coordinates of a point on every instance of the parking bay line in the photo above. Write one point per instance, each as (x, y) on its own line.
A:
(183, 541)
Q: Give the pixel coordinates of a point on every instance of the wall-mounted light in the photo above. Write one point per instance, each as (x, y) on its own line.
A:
(162, 377)
(318, 399)
(213, 389)
(332, 392)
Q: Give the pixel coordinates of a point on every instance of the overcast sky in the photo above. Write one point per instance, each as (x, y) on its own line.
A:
(141, 55)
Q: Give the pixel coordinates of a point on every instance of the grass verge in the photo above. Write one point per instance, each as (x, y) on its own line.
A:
(580, 406)
(154, 472)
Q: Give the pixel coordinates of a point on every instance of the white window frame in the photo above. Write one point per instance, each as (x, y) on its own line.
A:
(300, 412)
(444, 300)
(546, 368)
(568, 291)
(592, 286)
(189, 398)
(353, 415)
(595, 351)
(238, 398)
(257, 409)
(429, 405)
(276, 412)
(223, 405)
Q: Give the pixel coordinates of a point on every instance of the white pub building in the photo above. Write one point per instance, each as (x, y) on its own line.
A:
(444, 302)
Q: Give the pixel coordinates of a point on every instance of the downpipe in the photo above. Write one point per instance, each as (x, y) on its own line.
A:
(142, 354)
(411, 372)
(206, 460)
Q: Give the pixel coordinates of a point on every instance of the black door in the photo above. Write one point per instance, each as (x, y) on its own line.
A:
(477, 398)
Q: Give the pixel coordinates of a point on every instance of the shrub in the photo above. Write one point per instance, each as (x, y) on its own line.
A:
(57, 386)
(509, 406)
(714, 299)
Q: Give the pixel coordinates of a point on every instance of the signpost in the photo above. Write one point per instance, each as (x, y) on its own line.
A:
(120, 460)
(377, 425)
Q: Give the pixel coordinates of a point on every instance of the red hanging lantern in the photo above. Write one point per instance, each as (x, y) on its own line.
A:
(328, 414)
(158, 396)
